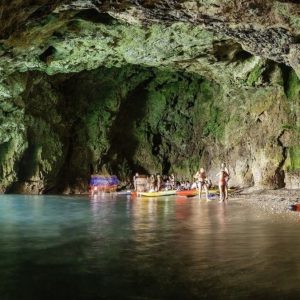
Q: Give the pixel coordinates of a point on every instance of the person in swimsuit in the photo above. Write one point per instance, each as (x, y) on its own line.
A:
(135, 177)
(225, 169)
(172, 181)
(158, 182)
(223, 187)
(202, 179)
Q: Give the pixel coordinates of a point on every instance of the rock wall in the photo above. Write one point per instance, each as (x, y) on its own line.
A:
(149, 86)
(57, 130)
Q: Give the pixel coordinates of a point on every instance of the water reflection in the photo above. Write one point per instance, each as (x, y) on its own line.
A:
(144, 248)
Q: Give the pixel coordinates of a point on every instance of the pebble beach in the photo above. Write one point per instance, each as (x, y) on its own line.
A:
(271, 201)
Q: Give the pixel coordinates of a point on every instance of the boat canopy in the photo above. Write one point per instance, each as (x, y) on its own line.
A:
(104, 180)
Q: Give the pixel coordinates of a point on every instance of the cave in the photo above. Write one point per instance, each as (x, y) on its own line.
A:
(146, 87)
(149, 149)
(113, 120)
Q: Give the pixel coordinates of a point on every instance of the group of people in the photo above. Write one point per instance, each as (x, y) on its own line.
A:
(201, 182)
(154, 182)
(204, 182)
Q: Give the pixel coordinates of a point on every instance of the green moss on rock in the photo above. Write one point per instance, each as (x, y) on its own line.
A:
(293, 162)
(255, 74)
(122, 120)
(293, 86)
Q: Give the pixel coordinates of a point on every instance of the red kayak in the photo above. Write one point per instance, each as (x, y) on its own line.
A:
(187, 193)
(295, 207)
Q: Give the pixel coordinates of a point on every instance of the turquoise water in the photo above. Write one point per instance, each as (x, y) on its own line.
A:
(54, 247)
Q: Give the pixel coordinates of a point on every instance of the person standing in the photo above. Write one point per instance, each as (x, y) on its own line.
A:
(158, 182)
(227, 176)
(135, 177)
(223, 182)
(172, 181)
(202, 179)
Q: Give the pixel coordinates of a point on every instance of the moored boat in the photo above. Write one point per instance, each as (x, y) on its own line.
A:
(157, 194)
(187, 193)
(103, 184)
(125, 192)
(195, 192)
(294, 207)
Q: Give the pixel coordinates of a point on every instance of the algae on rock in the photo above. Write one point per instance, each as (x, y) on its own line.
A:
(165, 87)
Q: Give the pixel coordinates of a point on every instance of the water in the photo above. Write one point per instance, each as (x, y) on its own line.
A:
(54, 247)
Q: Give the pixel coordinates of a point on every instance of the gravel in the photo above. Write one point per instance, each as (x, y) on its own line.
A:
(274, 201)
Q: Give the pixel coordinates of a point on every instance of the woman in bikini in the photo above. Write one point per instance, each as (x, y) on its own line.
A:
(223, 179)
(224, 168)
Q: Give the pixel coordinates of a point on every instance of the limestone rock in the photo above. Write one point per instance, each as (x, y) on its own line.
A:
(155, 86)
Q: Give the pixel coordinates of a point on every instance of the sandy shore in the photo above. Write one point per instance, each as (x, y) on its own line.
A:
(274, 201)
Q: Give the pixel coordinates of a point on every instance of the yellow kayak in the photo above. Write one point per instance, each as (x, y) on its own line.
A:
(174, 192)
(157, 194)
(213, 191)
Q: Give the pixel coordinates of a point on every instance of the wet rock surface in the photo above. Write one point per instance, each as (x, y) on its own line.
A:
(154, 86)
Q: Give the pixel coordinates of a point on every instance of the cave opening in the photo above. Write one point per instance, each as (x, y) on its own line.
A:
(112, 120)
(126, 120)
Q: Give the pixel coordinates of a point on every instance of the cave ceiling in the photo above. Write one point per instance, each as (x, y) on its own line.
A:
(222, 40)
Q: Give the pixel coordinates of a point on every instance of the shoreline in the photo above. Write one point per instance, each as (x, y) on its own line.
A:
(272, 201)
